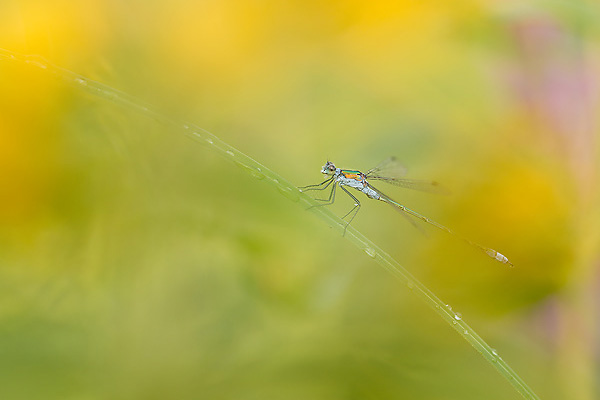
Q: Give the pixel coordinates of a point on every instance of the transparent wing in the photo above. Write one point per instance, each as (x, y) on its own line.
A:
(390, 167)
(414, 184)
(408, 217)
(392, 172)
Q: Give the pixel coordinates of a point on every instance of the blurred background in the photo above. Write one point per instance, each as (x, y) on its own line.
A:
(137, 264)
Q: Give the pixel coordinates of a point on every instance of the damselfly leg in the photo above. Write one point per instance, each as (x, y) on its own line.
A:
(321, 186)
(331, 199)
(317, 186)
(356, 208)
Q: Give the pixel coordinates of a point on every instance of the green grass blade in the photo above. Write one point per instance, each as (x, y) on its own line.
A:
(286, 188)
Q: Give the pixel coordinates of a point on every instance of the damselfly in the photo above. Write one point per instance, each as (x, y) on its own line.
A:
(388, 171)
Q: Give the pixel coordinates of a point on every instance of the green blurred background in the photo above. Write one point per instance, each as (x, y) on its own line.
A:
(137, 264)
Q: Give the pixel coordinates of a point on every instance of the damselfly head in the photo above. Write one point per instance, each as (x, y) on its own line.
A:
(328, 168)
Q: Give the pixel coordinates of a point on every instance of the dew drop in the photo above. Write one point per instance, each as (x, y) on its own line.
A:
(495, 352)
(230, 153)
(81, 81)
(466, 332)
(410, 285)
(457, 316)
(209, 141)
(290, 193)
(36, 63)
(186, 127)
(258, 175)
(255, 173)
(370, 252)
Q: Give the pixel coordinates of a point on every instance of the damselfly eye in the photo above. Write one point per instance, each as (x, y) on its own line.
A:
(331, 168)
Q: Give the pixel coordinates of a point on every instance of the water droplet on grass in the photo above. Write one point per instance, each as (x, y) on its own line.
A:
(371, 252)
(36, 63)
(255, 173)
(288, 192)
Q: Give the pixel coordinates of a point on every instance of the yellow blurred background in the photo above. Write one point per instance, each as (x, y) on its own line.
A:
(136, 264)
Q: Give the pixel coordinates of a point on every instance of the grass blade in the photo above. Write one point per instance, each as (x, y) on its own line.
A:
(258, 171)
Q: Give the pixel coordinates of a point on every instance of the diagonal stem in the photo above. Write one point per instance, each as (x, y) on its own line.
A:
(259, 171)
